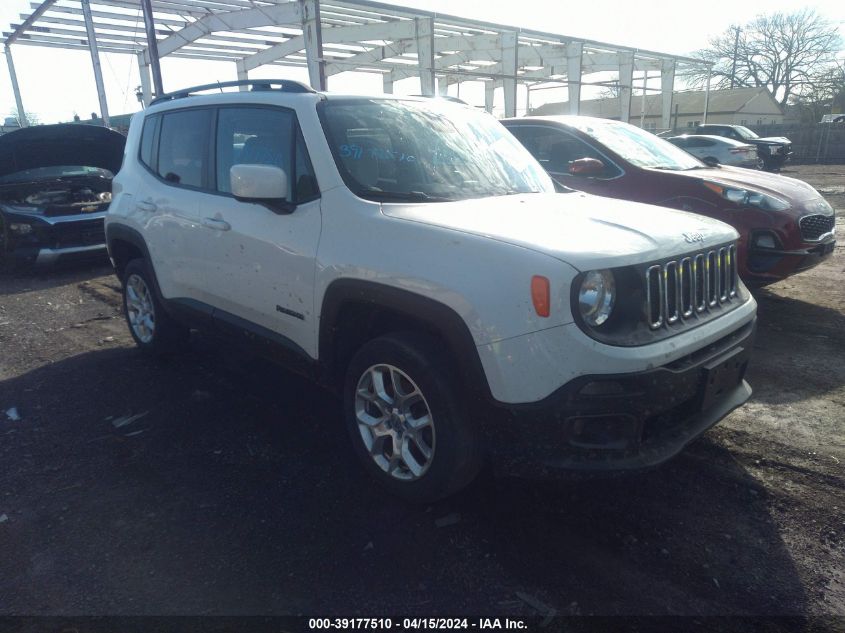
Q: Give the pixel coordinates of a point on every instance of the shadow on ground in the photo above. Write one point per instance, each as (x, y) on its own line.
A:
(235, 492)
(806, 336)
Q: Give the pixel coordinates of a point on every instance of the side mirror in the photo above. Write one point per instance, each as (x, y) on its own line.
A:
(586, 167)
(260, 183)
(710, 161)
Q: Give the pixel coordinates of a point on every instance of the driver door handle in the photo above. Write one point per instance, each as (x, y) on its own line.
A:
(217, 225)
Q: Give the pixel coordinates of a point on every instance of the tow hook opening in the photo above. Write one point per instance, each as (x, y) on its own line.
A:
(604, 432)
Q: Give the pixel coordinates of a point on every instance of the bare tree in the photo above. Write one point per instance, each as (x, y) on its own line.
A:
(31, 118)
(611, 91)
(783, 52)
(825, 94)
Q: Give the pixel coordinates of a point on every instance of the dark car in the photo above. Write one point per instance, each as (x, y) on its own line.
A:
(55, 188)
(772, 151)
(785, 225)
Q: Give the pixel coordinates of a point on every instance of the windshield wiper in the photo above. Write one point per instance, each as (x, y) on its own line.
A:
(414, 196)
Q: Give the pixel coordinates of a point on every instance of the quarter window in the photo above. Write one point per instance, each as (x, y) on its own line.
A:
(148, 141)
(183, 148)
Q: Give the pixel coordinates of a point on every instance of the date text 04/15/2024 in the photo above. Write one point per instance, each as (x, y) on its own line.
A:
(410, 624)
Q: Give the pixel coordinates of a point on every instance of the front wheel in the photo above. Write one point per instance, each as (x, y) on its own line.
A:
(408, 425)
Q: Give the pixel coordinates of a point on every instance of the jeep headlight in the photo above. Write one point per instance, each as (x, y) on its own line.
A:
(596, 296)
(748, 197)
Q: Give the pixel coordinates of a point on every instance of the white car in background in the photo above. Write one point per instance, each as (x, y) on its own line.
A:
(718, 150)
(412, 256)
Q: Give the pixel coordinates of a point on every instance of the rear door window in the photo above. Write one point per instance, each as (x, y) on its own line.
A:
(183, 147)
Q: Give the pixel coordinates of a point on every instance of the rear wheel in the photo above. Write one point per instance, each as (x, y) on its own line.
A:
(3, 239)
(408, 425)
(152, 328)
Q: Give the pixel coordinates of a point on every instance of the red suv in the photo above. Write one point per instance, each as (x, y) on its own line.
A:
(785, 225)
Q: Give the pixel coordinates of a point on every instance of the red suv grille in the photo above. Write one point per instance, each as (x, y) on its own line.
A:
(814, 227)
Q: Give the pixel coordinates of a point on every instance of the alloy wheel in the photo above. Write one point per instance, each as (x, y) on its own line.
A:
(140, 309)
(395, 422)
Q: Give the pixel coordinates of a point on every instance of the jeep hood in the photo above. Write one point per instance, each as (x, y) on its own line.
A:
(789, 189)
(582, 230)
(64, 144)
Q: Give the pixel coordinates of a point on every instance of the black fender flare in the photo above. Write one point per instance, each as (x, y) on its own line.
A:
(437, 316)
(128, 234)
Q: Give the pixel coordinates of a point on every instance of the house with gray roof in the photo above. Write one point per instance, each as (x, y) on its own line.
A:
(738, 106)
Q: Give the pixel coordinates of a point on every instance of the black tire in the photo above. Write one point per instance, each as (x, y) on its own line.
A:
(456, 457)
(769, 165)
(6, 265)
(167, 335)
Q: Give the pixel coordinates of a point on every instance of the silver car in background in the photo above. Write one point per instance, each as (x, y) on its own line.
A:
(718, 149)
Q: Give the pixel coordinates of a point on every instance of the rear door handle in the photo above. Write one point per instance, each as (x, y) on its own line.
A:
(217, 225)
(147, 205)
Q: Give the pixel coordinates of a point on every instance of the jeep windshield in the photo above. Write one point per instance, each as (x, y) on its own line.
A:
(637, 146)
(394, 150)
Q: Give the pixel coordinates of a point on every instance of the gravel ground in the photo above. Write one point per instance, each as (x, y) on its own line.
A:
(231, 488)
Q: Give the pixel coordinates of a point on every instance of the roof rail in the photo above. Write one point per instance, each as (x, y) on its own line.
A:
(286, 85)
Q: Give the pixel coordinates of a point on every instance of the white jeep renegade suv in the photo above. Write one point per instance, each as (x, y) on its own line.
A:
(409, 253)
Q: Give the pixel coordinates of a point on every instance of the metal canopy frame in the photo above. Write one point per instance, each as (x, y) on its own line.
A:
(328, 37)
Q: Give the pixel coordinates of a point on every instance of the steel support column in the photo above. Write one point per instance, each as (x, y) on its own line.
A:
(443, 86)
(489, 95)
(667, 92)
(95, 61)
(152, 46)
(387, 83)
(574, 53)
(243, 74)
(626, 79)
(509, 68)
(13, 76)
(425, 54)
(144, 73)
(313, 34)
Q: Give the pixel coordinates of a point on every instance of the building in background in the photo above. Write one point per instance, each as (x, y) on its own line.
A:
(9, 123)
(739, 106)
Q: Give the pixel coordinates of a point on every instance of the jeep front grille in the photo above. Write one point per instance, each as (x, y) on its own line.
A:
(813, 227)
(680, 290)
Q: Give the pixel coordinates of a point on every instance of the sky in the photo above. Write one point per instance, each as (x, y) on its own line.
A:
(56, 83)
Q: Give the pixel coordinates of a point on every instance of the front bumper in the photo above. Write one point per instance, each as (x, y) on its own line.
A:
(54, 239)
(767, 265)
(625, 421)
(774, 160)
